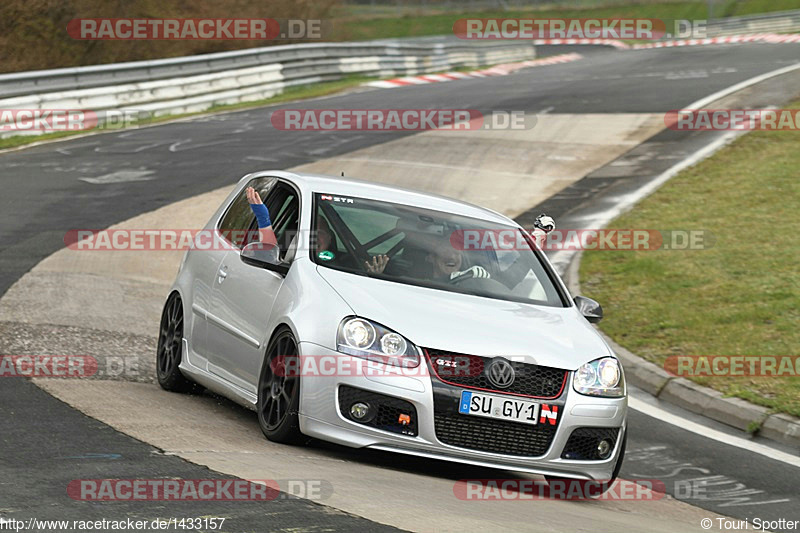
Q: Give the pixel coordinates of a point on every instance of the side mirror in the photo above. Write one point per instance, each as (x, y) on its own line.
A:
(591, 310)
(264, 256)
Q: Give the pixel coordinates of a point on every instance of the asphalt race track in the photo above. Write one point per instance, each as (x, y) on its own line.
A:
(47, 443)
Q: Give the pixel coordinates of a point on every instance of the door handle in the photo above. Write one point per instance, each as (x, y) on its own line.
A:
(222, 274)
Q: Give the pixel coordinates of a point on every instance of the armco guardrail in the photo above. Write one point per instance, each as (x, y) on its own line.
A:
(778, 22)
(196, 83)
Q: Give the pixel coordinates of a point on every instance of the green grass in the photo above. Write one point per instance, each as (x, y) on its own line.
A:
(442, 24)
(739, 297)
(385, 24)
(753, 7)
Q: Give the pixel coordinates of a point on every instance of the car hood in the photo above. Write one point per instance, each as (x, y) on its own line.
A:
(462, 323)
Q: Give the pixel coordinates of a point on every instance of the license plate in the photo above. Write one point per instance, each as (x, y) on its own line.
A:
(499, 407)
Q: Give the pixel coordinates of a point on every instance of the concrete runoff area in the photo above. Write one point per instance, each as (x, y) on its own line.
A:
(504, 170)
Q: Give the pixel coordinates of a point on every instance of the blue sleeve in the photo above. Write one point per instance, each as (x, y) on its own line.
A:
(262, 215)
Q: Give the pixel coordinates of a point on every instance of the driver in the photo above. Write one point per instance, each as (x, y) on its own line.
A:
(447, 263)
(447, 260)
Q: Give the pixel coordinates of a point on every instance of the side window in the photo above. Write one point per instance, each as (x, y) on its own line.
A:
(238, 219)
(284, 209)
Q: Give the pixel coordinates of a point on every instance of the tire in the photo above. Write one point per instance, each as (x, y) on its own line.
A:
(604, 485)
(279, 392)
(170, 348)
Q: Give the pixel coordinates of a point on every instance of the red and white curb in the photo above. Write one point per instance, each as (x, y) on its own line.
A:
(497, 70)
(507, 68)
(607, 42)
(769, 38)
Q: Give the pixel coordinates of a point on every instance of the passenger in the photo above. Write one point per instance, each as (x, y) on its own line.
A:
(265, 233)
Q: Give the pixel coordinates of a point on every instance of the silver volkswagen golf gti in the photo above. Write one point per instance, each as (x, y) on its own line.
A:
(395, 320)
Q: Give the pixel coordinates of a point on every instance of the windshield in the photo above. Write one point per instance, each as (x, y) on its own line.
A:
(428, 248)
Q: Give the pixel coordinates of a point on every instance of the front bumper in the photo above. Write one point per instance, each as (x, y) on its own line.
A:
(321, 418)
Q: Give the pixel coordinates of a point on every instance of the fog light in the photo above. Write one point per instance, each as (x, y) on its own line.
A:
(359, 410)
(604, 449)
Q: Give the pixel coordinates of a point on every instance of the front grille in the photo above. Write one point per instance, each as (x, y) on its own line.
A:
(486, 434)
(494, 436)
(386, 410)
(469, 371)
(582, 444)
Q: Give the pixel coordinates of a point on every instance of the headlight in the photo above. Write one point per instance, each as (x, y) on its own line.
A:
(608, 373)
(358, 333)
(602, 377)
(393, 344)
(586, 376)
(362, 338)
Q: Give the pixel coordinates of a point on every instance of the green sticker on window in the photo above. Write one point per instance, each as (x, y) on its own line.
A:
(325, 255)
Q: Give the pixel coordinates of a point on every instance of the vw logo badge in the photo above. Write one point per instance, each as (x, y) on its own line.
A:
(500, 373)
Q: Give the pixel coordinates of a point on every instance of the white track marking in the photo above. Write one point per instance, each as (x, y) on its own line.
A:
(719, 436)
(122, 176)
(739, 86)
